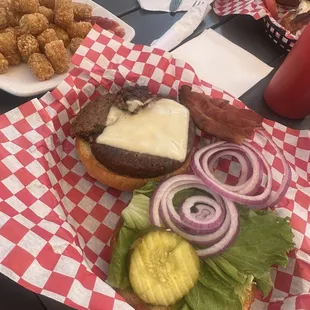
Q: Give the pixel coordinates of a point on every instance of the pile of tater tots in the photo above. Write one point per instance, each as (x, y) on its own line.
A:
(39, 33)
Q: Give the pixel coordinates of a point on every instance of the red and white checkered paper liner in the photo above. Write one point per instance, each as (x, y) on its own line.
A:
(254, 8)
(56, 221)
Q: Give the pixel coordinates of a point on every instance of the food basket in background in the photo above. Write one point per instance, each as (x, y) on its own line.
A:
(274, 31)
(278, 35)
(56, 221)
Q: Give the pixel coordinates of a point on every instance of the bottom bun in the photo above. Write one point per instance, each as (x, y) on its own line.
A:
(133, 300)
(109, 178)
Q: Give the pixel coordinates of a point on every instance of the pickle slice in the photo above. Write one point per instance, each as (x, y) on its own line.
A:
(163, 268)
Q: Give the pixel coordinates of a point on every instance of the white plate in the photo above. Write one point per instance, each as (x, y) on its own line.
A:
(19, 80)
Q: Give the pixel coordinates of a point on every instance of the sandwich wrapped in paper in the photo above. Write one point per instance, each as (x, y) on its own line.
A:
(57, 222)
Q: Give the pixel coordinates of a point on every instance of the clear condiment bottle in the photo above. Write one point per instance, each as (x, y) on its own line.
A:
(288, 93)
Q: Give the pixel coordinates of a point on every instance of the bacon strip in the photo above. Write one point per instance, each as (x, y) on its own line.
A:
(248, 114)
(218, 118)
(215, 128)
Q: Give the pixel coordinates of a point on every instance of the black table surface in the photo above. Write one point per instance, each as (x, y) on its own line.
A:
(242, 30)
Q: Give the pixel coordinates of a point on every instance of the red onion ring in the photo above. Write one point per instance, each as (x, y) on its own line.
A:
(163, 211)
(155, 217)
(167, 209)
(201, 169)
(228, 239)
(175, 217)
(245, 192)
(203, 211)
(248, 187)
(205, 224)
(244, 163)
(275, 197)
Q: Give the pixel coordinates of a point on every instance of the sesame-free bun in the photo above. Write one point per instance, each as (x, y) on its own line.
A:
(109, 178)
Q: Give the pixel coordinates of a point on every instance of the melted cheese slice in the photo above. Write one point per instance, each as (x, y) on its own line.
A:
(160, 129)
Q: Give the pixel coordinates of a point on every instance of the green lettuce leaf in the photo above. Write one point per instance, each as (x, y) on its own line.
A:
(263, 241)
(227, 274)
(186, 307)
(147, 189)
(181, 305)
(118, 270)
(212, 295)
(136, 215)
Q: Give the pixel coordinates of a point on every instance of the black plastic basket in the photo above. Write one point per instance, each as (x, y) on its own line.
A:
(277, 36)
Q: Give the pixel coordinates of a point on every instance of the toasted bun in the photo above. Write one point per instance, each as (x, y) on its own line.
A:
(134, 301)
(109, 178)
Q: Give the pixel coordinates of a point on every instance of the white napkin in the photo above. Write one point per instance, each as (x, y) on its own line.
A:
(222, 63)
(163, 5)
(182, 28)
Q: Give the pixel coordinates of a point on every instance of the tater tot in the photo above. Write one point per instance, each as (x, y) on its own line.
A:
(14, 59)
(74, 44)
(48, 3)
(57, 54)
(13, 18)
(79, 30)
(4, 4)
(48, 13)
(45, 37)
(61, 34)
(40, 67)
(15, 30)
(25, 6)
(63, 13)
(33, 23)
(3, 18)
(8, 43)
(4, 64)
(27, 44)
(82, 11)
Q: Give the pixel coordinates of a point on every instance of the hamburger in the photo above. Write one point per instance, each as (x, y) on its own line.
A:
(129, 138)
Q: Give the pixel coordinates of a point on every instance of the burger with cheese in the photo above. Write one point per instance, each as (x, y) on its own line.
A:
(129, 138)
(176, 247)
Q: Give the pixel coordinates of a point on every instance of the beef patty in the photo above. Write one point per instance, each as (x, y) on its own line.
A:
(91, 120)
(139, 165)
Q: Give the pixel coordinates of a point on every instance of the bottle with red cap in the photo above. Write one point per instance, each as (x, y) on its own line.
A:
(288, 93)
